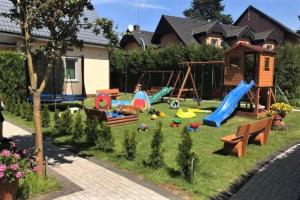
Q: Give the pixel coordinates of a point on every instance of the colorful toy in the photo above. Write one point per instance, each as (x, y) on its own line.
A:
(175, 104)
(128, 110)
(195, 110)
(142, 127)
(181, 114)
(193, 127)
(153, 117)
(154, 111)
(176, 123)
(162, 114)
(103, 102)
(141, 101)
(116, 103)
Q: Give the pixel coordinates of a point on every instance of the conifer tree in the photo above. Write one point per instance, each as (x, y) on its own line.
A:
(129, 145)
(78, 129)
(45, 117)
(105, 140)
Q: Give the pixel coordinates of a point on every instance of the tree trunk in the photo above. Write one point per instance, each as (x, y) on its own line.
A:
(38, 133)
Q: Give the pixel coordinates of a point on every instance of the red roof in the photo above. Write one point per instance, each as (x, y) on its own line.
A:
(251, 47)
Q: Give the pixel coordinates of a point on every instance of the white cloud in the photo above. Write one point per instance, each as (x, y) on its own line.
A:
(142, 4)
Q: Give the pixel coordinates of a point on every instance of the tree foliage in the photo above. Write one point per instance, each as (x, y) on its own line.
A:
(106, 26)
(208, 10)
(185, 156)
(129, 145)
(78, 134)
(156, 158)
(105, 140)
(287, 69)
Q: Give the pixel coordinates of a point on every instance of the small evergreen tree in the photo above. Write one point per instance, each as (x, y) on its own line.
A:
(78, 129)
(8, 104)
(156, 158)
(57, 122)
(65, 126)
(185, 157)
(23, 110)
(91, 131)
(45, 117)
(129, 145)
(13, 106)
(105, 140)
(18, 108)
(29, 112)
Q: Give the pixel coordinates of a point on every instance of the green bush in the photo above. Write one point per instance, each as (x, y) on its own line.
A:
(105, 140)
(129, 145)
(13, 75)
(156, 158)
(29, 112)
(91, 131)
(64, 123)
(287, 69)
(45, 117)
(78, 129)
(185, 157)
(23, 110)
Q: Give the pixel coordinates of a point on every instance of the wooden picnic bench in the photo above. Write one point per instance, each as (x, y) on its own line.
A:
(256, 132)
(114, 92)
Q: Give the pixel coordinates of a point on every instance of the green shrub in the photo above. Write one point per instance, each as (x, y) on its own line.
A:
(23, 110)
(156, 158)
(105, 140)
(78, 134)
(18, 108)
(91, 131)
(129, 145)
(45, 117)
(185, 157)
(65, 123)
(57, 122)
(29, 112)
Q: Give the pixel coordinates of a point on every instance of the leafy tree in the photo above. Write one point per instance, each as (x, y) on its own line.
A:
(185, 157)
(156, 158)
(63, 20)
(107, 27)
(78, 129)
(208, 10)
(129, 145)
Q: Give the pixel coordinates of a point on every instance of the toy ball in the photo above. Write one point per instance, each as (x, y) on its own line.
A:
(162, 114)
(154, 117)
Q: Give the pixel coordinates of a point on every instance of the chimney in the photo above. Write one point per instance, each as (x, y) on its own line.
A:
(137, 28)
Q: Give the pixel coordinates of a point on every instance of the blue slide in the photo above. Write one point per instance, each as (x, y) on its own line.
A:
(228, 105)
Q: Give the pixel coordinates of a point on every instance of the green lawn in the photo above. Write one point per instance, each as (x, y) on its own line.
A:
(214, 173)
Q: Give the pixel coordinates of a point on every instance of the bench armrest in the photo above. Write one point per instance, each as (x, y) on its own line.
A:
(232, 139)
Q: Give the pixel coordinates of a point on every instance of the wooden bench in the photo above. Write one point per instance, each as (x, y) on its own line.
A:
(110, 121)
(114, 92)
(257, 132)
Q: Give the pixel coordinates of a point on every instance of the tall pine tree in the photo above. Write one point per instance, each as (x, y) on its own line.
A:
(208, 10)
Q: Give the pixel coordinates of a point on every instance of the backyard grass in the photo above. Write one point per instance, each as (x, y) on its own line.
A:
(214, 173)
(33, 186)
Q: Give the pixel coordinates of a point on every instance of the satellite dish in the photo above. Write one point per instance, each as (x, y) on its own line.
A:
(130, 28)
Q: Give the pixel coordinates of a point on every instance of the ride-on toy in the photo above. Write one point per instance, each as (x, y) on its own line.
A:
(142, 127)
(176, 123)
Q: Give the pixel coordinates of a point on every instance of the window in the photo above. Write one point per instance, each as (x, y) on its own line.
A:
(267, 64)
(269, 46)
(214, 42)
(70, 70)
(234, 62)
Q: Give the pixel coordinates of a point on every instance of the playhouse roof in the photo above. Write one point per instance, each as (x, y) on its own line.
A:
(251, 47)
(87, 35)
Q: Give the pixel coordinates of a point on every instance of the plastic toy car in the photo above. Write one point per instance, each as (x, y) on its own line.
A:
(142, 127)
(174, 125)
(191, 129)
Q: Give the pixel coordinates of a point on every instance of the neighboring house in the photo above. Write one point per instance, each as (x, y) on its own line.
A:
(185, 31)
(86, 70)
(258, 21)
(137, 39)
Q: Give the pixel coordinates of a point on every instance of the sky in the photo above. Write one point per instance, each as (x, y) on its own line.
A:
(148, 12)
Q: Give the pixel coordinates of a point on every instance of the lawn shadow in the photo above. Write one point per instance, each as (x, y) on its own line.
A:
(173, 172)
(220, 152)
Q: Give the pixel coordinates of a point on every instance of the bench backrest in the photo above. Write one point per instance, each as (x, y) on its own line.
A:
(259, 125)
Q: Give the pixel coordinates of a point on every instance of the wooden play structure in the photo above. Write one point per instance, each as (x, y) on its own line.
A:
(249, 62)
(189, 78)
(114, 92)
(110, 121)
(257, 132)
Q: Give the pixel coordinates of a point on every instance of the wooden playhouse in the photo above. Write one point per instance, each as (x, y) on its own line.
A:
(249, 62)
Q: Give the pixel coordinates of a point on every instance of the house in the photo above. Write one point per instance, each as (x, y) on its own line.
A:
(186, 31)
(258, 21)
(85, 70)
(137, 39)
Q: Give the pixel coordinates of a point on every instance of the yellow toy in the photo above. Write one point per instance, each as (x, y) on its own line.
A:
(162, 114)
(181, 114)
(195, 110)
(153, 117)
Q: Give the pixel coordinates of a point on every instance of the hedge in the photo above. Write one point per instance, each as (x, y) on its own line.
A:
(12, 75)
(287, 69)
(158, 59)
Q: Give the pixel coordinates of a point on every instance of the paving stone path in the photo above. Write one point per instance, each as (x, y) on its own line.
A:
(278, 180)
(95, 181)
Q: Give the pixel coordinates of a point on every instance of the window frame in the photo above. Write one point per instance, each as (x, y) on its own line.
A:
(76, 69)
(216, 40)
(237, 58)
(267, 64)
